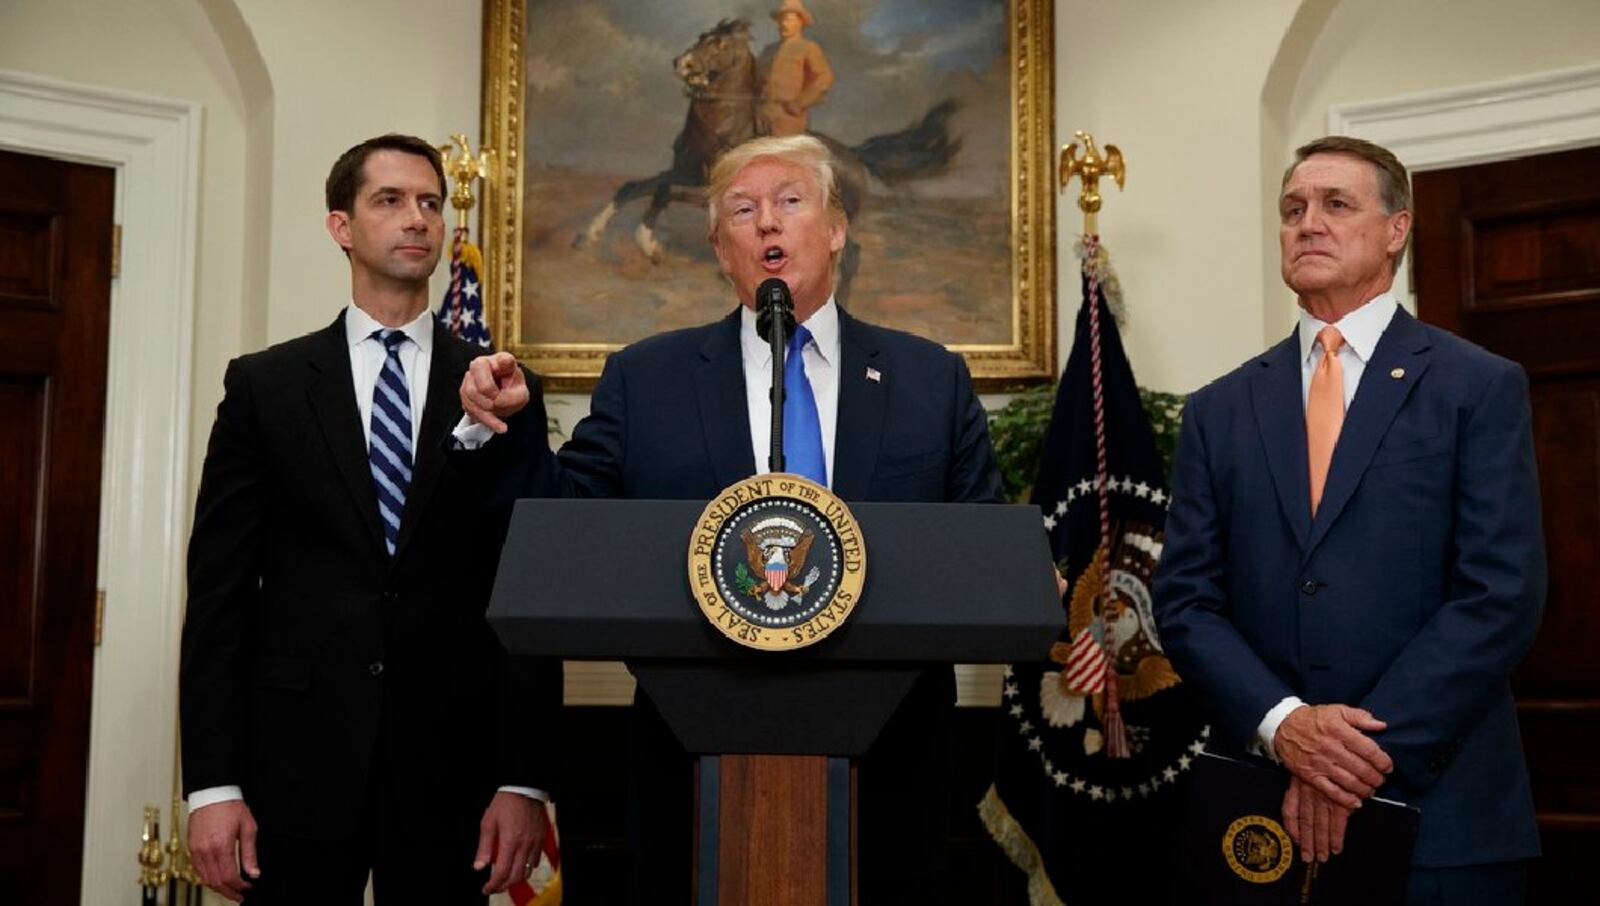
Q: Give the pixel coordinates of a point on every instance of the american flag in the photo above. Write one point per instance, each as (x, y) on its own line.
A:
(462, 310)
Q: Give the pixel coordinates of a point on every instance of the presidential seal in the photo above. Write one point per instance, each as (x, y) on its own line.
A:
(776, 562)
(1257, 849)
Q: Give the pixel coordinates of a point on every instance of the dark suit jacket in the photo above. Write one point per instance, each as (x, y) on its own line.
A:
(1413, 593)
(668, 421)
(304, 645)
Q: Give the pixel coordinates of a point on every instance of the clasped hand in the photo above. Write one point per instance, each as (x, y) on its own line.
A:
(1335, 765)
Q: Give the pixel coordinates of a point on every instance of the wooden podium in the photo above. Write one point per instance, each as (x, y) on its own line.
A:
(775, 734)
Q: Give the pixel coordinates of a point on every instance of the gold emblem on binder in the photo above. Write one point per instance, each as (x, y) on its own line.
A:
(1258, 849)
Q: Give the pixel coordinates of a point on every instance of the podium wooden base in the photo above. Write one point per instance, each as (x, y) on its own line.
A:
(775, 829)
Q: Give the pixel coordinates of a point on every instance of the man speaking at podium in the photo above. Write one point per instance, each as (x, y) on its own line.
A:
(874, 414)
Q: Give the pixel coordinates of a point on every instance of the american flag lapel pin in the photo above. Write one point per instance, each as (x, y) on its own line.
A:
(874, 375)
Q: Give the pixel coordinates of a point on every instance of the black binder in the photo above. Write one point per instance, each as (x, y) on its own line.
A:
(1237, 852)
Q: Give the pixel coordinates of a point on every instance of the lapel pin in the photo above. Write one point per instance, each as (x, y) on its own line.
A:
(1398, 373)
(874, 375)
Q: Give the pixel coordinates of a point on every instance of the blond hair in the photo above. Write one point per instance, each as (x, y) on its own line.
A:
(802, 150)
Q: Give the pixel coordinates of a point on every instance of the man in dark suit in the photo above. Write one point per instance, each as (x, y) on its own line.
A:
(346, 707)
(1354, 562)
(875, 414)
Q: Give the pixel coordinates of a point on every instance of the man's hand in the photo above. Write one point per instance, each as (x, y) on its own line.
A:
(493, 390)
(1327, 747)
(1315, 823)
(510, 837)
(214, 832)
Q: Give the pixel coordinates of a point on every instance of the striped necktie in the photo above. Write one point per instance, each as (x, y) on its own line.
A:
(389, 452)
(802, 429)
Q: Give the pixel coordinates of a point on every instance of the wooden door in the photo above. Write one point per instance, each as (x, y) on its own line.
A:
(1508, 256)
(55, 286)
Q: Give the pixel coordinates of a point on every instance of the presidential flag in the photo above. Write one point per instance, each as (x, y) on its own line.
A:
(1097, 738)
(462, 310)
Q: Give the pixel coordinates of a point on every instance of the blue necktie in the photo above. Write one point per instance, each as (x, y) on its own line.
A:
(389, 452)
(802, 430)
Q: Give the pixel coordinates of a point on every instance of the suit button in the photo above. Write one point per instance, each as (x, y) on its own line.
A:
(375, 668)
(1308, 587)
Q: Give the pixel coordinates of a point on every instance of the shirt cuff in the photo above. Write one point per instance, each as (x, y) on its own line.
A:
(212, 795)
(470, 435)
(1268, 730)
(528, 791)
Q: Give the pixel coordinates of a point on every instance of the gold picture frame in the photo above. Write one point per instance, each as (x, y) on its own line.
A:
(1009, 342)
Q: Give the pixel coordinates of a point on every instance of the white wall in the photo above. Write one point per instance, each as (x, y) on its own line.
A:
(1177, 85)
(1378, 49)
(343, 72)
(166, 48)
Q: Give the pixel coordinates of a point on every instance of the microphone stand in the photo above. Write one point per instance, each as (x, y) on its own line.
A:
(776, 339)
(775, 320)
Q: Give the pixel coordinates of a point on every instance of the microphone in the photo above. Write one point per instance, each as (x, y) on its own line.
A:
(773, 300)
(775, 306)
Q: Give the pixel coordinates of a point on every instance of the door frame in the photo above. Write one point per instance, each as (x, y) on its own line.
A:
(154, 146)
(1476, 124)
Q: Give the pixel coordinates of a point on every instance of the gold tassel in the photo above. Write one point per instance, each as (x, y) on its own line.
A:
(1021, 849)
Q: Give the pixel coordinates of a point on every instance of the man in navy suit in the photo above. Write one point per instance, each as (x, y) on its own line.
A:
(682, 415)
(1353, 562)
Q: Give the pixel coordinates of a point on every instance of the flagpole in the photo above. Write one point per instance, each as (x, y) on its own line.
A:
(464, 312)
(1089, 169)
(464, 169)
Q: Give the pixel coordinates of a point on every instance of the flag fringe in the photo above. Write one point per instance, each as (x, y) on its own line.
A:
(1019, 847)
(1110, 285)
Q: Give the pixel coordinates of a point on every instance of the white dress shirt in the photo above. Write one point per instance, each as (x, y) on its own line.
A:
(821, 357)
(1361, 330)
(366, 362)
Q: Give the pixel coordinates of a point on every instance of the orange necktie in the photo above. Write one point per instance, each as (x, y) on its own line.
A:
(1324, 411)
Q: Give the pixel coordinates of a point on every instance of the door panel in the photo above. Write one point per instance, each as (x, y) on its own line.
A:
(1508, 256)
(55, 285)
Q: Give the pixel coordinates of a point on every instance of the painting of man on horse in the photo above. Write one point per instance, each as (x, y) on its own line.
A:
(907, 191)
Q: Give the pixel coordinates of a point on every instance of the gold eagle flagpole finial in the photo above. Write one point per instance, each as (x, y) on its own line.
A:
(1089, 169)
(463, 168)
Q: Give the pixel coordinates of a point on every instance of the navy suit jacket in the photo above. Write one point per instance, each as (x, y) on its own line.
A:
(1413, 593)
(669, 421)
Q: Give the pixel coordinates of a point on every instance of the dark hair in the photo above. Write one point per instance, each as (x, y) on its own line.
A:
(345, 179)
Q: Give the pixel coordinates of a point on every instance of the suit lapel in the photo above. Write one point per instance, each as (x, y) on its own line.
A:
(1281, 421)
(332, 396)
(863, 403)
(1404, 345)
(440, 413)
(724, 413)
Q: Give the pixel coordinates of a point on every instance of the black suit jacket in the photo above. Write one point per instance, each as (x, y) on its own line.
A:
(305, 647)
